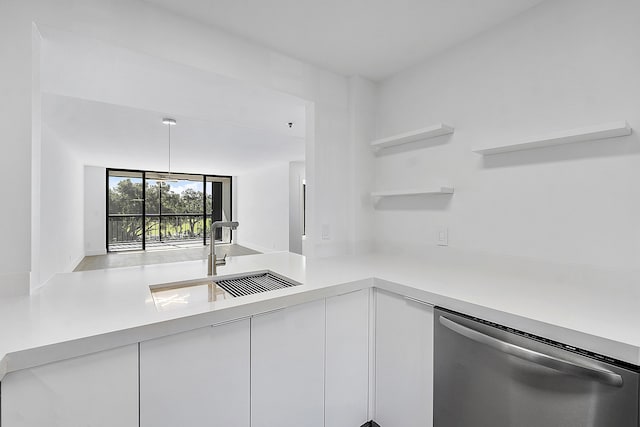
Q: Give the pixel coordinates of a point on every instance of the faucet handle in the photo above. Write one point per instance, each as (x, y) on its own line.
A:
(222, 261)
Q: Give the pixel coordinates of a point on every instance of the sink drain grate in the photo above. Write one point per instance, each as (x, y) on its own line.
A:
(256, 284)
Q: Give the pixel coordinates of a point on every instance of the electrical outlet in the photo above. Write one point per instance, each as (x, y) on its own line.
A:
(326, 232)
(442, 236)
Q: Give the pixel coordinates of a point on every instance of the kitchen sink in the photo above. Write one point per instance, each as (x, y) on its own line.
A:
(173, 295)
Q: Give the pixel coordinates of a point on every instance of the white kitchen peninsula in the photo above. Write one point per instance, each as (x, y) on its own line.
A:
(81, 319)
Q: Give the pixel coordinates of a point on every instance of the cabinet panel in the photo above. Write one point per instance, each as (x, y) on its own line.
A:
(196, 378)
(347, 359)
(97, 390)
(403, 362)
(287, 367)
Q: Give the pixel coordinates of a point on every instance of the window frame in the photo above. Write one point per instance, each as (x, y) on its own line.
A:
(204, 178)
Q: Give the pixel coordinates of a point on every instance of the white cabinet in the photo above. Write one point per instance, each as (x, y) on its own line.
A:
(196, 378)
(347, 359)
(337, 362)
(403, 361)
(287, 367)
(97, 390)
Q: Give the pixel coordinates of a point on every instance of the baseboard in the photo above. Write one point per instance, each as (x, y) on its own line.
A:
(95, 252)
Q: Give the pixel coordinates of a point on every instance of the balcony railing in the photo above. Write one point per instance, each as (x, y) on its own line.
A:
(126, 232)
(124, 228)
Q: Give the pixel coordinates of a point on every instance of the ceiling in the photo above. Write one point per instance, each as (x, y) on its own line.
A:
(123, 137)
(371, 38)
(106, 103)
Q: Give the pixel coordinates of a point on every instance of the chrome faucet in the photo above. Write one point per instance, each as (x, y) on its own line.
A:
(212, 261)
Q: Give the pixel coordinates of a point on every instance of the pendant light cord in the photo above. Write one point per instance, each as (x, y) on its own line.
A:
(169, 122)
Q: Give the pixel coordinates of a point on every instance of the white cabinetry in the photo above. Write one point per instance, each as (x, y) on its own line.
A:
(287, 367)
(403, 361)
(97, 390)
(341, 361)
(196, 378)
(347, 359)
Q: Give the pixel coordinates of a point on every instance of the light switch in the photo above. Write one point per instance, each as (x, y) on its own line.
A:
(326, 235)
(442, 236)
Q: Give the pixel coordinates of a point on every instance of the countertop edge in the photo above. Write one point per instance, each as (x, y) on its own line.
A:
(623, 351)
(41, 355)
(50, 353)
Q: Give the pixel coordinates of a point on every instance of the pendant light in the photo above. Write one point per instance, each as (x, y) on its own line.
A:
(169, 122)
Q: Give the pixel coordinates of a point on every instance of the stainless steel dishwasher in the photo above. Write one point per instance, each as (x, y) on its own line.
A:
(487, 375)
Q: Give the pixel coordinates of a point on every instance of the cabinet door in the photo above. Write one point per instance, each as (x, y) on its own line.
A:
(97, 390)
(287, 367)
(347, 359)
(403, 362)
(196, 378)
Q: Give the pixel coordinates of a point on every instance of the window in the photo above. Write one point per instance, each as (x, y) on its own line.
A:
(148, 210)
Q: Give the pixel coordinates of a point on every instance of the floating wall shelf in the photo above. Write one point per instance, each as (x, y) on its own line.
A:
(416, 135)
(423, 192)
(607, 130)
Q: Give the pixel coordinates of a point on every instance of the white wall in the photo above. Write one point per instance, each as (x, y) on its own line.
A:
(150, 30)
(263, 209)
(61, 208)
(296, 206)
(95, 210)
(561, 65)
(362, 105)
(16, 130)
(36, 163)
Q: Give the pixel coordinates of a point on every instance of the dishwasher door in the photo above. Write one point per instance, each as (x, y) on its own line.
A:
(490, 376)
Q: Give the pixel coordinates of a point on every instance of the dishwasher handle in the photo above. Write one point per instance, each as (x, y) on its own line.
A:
(568, 365)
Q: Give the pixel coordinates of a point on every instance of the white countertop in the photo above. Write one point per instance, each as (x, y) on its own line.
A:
(80, 313)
